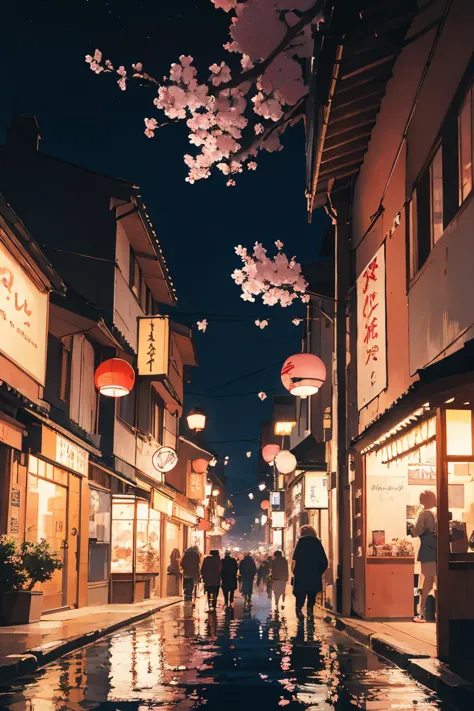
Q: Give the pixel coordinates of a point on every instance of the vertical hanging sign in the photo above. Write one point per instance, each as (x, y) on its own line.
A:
(371, 330)
(153, 345)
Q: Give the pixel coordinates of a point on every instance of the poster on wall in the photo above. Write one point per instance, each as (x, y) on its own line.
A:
(420, 474)
(371, 330)
(23, 318)
(387, 498)
(316, 491)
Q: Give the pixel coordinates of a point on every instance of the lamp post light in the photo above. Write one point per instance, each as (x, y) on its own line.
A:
(196, 419)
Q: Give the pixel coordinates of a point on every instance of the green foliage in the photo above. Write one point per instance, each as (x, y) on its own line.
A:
(24, 566)
(39, 562)
(12, 575)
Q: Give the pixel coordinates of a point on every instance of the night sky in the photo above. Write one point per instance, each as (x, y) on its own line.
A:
(87, 120)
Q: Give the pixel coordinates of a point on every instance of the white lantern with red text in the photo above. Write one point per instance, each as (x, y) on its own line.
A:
(285, 462)
(303, 374)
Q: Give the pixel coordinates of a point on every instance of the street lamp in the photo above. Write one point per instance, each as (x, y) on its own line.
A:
(196, 419)
(215, 492)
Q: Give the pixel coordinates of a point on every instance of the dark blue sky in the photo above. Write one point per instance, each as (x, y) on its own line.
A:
(87, 120)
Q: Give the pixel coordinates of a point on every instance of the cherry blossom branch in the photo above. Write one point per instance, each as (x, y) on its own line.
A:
(258, 69)
(290, 115)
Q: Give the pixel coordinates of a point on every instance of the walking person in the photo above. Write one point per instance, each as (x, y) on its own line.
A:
(279, 578)
(211, 576)
(425, 529)
(190, 565)
(229, 571)
(248, 570)
(309, 564)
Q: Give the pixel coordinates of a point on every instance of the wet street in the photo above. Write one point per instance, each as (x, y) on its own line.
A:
(183, 659)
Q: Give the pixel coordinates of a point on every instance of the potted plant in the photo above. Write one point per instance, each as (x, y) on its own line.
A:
(22, 568)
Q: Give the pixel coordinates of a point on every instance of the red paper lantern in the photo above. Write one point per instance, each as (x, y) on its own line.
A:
(200, 465)
(204, 525)
(303, 374)
(114, 378)
(269, 452)
(265, 505)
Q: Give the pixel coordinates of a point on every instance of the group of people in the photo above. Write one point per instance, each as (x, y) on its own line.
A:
(309, 562)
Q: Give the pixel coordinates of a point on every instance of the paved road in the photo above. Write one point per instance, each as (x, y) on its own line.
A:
(182, 659)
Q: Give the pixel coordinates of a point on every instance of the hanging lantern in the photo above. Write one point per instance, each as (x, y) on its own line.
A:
(204, 525)
(303, 374)
(200, 465)
(265, 505)
(196, 420)
(114, 378)
(269, 452)
(285, 462)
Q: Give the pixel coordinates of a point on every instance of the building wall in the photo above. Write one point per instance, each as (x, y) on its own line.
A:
(126, 306)
(439, 311)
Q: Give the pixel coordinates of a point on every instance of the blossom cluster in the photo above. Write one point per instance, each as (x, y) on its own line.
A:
(277, 280)
(219, 110)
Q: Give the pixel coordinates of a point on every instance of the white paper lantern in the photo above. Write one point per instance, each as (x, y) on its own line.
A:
(285, 462)
(303, 374)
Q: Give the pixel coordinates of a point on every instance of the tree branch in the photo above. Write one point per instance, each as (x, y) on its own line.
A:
(286, 118)
(258, 69)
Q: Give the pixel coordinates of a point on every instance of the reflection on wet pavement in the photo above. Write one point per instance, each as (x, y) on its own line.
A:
(183, 658)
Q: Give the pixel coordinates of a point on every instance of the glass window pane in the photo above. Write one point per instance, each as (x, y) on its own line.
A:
(461, 506)
(142, 511)
(437, 196)
(465, 150)
(123, 510)
(459, 433)
(122, 546)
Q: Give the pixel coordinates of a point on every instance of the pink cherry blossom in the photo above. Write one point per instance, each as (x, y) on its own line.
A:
(226, 113)
(279, 244)
(262, 396)
(151, 125)
(202, 325)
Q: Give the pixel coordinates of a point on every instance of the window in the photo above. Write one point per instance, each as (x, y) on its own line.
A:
(127, 409)
(65, 369)
(99, 535)
(135, 279)
(157, 413)
(436, 176)
(150, 304)
(465, 148)
(426, 217)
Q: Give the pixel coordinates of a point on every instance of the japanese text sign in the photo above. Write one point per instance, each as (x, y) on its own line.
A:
(371, 330)
(153, 345)
(23, 318)
(316, 491)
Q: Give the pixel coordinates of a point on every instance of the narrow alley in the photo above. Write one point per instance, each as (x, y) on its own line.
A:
(183, 658)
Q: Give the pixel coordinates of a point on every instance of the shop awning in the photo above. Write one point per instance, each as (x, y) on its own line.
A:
(310, 453)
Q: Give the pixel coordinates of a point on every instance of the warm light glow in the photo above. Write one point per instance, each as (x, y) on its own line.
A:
(114, 377)
(205, 502)
(208, 489)
(200, 465)
(261, 487)
(283, 428)
(250, 495)
(285, 462)
(269, 452)
(236, 549)
(458, 433)
(265, 505)
(303, 374)
(215, 492)
(263, 520)
(196, 420)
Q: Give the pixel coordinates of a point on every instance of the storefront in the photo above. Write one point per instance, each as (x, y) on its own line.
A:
(295, 512)
(56, 484)
(430, 450)
(136, 551)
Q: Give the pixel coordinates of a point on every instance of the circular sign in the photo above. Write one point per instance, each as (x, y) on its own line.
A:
(164, 459)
